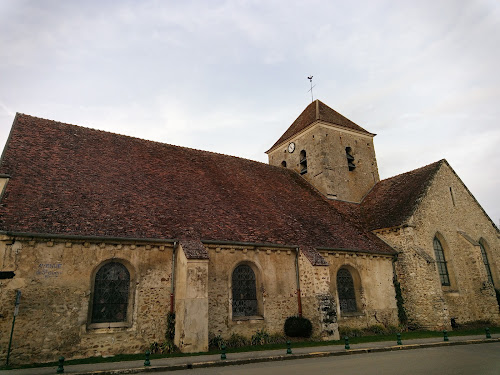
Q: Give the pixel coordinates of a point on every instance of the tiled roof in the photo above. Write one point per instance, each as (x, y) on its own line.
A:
(70, 180)
(393, 201)
(194, 249)
(317, 110)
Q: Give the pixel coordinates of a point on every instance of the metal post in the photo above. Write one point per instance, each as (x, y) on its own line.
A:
(60, 368)
(288, 347)
(488, 336)
(223, 354)
(147, 361)
(16, 311)
(399, 339)
(347, 346)
(445, 335)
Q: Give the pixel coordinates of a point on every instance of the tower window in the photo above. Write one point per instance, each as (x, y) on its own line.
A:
(303, 162)
(350, 159)
(283, 164)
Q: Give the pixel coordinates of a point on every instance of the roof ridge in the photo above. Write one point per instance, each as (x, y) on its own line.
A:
(415, 170)
(141, 139)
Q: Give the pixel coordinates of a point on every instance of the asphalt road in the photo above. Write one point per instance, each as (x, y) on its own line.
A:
(481, 359)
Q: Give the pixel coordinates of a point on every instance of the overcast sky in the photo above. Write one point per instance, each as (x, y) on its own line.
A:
(230, 76)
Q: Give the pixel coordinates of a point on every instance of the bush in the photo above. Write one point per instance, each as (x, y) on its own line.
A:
(296, 326)
(237, 341)
(350, 332)
(260, 337)
(216, 342)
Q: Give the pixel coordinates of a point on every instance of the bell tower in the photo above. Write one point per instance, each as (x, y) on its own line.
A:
(330, 151)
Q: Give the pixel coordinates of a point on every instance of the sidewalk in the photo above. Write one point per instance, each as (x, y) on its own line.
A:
(180, 363)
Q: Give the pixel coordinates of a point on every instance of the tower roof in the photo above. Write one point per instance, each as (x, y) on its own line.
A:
(318, 111)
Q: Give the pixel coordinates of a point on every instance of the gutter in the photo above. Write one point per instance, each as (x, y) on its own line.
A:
(89, 238)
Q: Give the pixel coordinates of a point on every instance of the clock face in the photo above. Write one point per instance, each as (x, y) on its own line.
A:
(291, 147)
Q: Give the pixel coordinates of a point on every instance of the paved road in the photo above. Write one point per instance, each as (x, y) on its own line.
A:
(481, 359)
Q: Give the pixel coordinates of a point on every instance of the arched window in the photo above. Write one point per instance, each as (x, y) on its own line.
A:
(486, 262)
(345, 289)
(303, 162)
(111, 294)
(283, 164)
(244, 291)
(441, 263)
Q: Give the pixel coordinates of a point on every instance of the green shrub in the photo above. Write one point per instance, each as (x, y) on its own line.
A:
(260, 337)
(216, 342)
(237, 341)
(296, 326)
(376, 329)
(350, 332)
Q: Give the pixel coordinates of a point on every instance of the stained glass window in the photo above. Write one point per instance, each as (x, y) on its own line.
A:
(111, 289)
(441, 263)
(345, 289)
(244, 291)
(486, 263)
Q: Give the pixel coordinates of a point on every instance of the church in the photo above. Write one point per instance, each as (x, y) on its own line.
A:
(105, 234)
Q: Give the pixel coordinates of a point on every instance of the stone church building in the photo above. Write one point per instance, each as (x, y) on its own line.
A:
(105, 234)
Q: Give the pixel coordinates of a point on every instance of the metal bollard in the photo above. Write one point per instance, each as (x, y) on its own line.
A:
(288, 347)
(223, 354)
(60, 367)
(399, 339)
(147, 362)
(488, 336)
(346, 339)
(445, 335)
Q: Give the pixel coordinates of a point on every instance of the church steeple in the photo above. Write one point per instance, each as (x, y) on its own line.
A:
(332, 152)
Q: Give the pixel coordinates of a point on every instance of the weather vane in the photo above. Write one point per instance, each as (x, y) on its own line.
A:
(310, 78)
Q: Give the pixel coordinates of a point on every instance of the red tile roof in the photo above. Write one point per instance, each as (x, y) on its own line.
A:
(70, 180)
(393, 201)
(317, 110)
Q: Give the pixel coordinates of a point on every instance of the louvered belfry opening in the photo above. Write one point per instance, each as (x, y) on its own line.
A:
(350, 159)
(244, 291)
(303, 162)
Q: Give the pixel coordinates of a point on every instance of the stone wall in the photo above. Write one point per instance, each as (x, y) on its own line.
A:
(56, 279)
(327, 169)
(451, 213)
(373, 282)
(274, 269)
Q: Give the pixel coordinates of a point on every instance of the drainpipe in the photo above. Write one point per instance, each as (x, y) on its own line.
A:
(172, 287)
(299, 301)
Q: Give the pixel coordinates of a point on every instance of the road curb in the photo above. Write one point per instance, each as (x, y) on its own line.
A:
(284, 357)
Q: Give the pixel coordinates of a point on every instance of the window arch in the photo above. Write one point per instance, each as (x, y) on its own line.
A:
(441, 263)
(244, 291)
(111, 294)
(346, 291)
(283, 164)
(485, 261)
